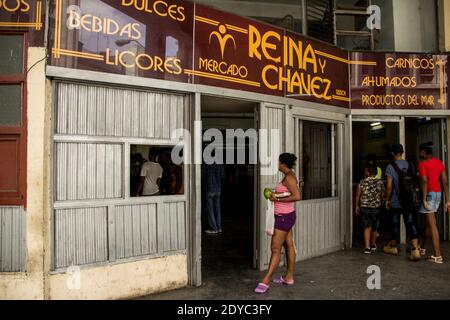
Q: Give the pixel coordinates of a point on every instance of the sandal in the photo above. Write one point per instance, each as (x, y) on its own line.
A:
(261, 288)
(434, 259)
(280, 280)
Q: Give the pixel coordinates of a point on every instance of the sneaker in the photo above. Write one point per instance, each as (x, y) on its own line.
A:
(367, 251)
(373, 248)
(210, 231)
(219, 231)
(415, 254)
(390, 250)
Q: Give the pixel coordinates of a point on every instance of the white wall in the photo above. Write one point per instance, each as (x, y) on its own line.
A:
(415, 25)
(118, 281)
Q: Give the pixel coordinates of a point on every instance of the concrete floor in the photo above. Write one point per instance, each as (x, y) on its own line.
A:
(228, 274)
(341, 275)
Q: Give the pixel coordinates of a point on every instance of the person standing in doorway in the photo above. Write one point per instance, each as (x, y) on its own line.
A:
(151, 173)
(285, 217)
(401, 183)
(369, 198)
(212, 176)
(432, 173)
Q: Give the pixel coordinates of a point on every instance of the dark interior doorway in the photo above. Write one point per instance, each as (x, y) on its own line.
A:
(232, 249)
(372, 138)
(422, 130)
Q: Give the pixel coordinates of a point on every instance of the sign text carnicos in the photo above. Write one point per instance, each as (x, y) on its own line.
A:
(400, 81)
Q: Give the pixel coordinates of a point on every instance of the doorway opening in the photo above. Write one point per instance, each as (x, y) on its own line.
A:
(371, 140)
(420, 130)
(234, 247)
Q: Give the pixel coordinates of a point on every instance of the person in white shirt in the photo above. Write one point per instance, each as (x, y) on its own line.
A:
(151, 173)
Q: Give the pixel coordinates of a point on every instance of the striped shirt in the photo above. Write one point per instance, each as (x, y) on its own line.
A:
(283, 207)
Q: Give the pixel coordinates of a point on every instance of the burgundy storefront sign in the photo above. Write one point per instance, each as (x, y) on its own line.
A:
(230, 52)
(24, 15)
(151, 39)
(155, 39)
(399, 81)
(314, 71)
(239, 53)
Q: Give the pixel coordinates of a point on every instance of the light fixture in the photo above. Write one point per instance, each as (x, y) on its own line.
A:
(122, 42)
(374, 124)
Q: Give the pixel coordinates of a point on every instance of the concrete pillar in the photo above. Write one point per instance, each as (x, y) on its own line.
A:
(444, 25)
(30, 285)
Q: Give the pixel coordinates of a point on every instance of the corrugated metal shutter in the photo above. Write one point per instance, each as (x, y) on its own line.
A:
(12, 239)
(95, 220)
(88, 171)
(117, 112)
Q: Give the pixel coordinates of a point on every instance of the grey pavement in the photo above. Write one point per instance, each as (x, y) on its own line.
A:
(341, 275)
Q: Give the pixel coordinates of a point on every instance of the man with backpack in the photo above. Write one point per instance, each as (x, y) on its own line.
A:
(402, 199)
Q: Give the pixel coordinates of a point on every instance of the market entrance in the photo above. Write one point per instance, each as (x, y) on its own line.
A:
(232, 247)
(420, 130)
(371, 141)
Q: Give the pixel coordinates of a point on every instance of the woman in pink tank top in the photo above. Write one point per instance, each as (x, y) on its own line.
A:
(284, 221)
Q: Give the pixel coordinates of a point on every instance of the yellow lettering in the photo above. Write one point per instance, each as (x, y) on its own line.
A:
(86, 22)
(109, 29)
(126, 31)
(310, 57)
(26, 6)
(155, 7)
(96, 24)
(172, 11)
(297, 49)
(108, 57)
(266, 45)
(177, 64)
(390, 63)
(139, 64)
(327, 83)
(123, 61)
(182, 16)
(254, 38)
(74, 20)
(159, 64)
(322, 64)
(264, 76)
(7, 6)
(127, 3)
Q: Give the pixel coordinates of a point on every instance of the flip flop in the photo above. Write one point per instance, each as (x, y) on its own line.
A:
(280, 280)
(261, 288)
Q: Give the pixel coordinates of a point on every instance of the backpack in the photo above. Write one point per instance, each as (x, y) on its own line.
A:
(408, 186)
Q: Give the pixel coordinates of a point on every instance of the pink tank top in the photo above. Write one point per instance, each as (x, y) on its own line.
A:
(283, 207)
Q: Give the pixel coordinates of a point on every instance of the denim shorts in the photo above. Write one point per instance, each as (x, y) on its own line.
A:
(434, 201)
